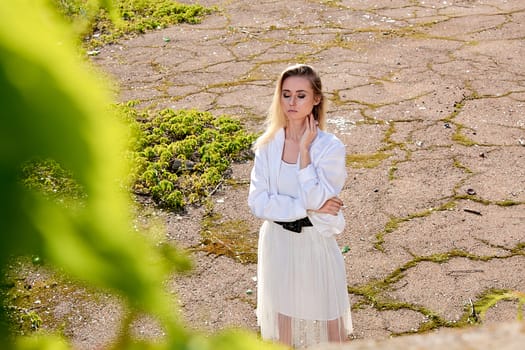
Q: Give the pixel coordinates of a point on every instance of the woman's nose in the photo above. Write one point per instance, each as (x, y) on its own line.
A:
(292, 101)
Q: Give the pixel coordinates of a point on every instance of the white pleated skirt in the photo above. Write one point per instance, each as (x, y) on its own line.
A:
(301, 287)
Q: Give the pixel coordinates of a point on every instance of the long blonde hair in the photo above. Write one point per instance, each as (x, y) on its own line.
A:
(276, 118)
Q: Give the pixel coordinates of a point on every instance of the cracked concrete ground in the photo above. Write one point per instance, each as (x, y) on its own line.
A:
(434, 91)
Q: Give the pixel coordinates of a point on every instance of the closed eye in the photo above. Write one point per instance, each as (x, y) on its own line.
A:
(301, 96)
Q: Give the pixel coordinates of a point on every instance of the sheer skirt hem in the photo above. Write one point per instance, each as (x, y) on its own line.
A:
(301, 333)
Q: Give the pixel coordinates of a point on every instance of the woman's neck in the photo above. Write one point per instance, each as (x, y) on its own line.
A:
(294, 131)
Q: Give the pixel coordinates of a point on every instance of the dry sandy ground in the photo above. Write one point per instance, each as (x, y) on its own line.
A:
(435, 87)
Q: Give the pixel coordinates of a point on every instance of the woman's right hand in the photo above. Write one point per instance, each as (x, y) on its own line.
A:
(331, 206)
(310, 132)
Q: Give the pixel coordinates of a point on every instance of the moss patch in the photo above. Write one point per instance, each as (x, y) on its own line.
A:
(31, 292)
(491, 297)
(181, 157)
(460, 138)
(231, 238)
(98, 26)
(366, 160)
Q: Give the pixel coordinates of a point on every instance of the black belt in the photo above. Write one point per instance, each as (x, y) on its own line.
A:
(295, 226)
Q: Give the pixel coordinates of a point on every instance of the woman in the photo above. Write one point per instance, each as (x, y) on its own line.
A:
(298, 173)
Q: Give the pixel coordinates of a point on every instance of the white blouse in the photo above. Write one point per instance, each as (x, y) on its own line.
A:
(321, 180)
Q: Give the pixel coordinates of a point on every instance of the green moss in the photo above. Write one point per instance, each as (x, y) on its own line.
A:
(180, 157)
(519, 249)
(304, 58)
(472, 198)
(332, 3)
(458, 106)
(99, 27)
(366, 160)
(164, 86)
(507, 203)
(460, 138)
(389, 132)
(336, 98)
(27, 300)
(393, 223)
(389, 143)
(231, 238)
(390, 227)
(392, 172)
(339, 41)
(375, 294)
(438, 258)
(491, 297)
(458, 165)
(447, 206)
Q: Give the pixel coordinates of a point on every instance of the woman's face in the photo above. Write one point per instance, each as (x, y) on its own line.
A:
(297, 98)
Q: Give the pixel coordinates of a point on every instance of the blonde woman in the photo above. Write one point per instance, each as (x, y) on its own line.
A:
(298, 173)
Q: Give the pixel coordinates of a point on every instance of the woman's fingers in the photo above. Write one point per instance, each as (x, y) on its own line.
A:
(310, 131)
(337, 200)
(333, 205)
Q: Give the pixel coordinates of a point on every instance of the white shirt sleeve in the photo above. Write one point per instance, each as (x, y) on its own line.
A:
(266, 203)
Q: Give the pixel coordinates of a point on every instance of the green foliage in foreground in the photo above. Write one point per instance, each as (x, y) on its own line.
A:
(99, 26)
(182, 156)
(53, 107)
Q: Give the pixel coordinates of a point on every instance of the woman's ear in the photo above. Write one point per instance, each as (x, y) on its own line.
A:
(317, 100)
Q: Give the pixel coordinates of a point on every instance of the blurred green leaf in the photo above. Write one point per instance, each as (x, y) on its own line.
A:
(47, 114)
(47, 342)
(55, 107)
